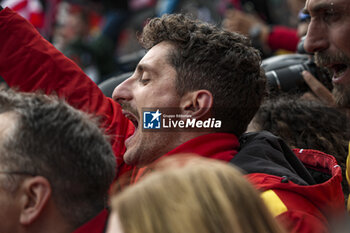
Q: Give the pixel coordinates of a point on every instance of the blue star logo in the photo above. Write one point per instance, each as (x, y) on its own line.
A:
(156, 115)
(151, 120)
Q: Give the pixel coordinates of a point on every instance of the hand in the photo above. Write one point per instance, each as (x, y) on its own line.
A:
(319, 91)
(238, 21)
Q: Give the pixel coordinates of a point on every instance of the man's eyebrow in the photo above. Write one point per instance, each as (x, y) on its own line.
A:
(144, 67)
(139, 67)
(320, 7)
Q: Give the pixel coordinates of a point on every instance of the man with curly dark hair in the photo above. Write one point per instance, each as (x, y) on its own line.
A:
(197, 67)
(209, 79)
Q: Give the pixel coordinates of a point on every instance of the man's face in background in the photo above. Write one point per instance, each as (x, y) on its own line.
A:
(328, 38)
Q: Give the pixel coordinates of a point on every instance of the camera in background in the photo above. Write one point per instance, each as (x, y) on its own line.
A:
(283, 72)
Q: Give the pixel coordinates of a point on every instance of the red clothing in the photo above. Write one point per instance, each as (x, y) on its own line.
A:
(33, 64)
(30, 63)
(219, 146)
(308, 206)
(95, 225)
(282, 37)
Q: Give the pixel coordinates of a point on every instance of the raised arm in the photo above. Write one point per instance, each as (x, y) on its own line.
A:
(29, 63)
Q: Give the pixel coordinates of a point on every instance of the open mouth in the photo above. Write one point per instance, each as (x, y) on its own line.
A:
(338, 69)
(135, 122)
(132, 118)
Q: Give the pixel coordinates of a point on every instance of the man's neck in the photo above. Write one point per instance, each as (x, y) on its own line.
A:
(50, 220)
(57, 227)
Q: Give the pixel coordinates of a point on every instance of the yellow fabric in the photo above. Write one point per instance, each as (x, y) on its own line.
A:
(273, 202)
(348, 174)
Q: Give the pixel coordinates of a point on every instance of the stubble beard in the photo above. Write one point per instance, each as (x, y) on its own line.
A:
(341, 95)
(147, 150)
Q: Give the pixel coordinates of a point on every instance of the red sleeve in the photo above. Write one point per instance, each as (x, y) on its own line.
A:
(283, 38)
(297, 213)
(301, 222)
(29, 62)
(95, 225)
(302, 215)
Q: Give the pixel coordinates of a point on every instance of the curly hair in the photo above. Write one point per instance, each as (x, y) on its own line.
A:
(207, 57)
(306, 124)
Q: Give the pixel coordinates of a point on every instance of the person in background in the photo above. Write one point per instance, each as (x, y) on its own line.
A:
(327, 38)
(255, 19)
(191, 194)
(306, 124)
(56, 167)
(94, 52)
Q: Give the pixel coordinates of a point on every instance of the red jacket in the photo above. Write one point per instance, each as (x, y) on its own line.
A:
(95, 225)
(29, 62)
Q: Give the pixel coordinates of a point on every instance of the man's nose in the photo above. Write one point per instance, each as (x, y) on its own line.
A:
(122, 92)
(316, 38)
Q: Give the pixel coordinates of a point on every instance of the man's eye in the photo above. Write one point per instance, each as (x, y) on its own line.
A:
(144, 81)
(330, 16)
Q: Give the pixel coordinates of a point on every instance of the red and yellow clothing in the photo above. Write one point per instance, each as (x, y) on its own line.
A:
(29, 62)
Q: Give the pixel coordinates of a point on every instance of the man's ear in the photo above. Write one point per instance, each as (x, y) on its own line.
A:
(197, 103)
(36, 193)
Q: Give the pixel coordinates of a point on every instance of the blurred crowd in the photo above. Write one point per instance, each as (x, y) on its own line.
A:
(100, 36)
